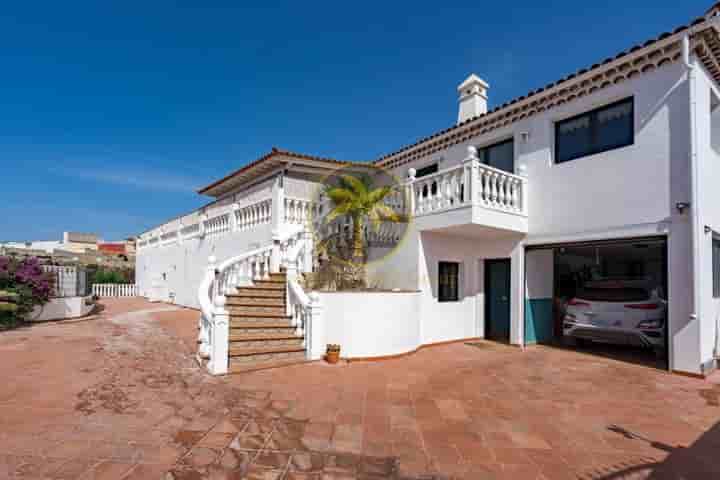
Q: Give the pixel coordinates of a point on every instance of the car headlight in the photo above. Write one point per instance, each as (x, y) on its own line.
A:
(657, 323)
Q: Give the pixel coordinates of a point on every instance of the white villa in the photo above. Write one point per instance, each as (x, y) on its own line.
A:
(611, 174)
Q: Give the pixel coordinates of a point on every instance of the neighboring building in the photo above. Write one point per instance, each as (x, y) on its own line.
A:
(79, 242)
(85, 248)
(605, 179)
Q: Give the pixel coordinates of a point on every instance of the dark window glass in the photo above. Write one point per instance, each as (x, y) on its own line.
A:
(614, 294)
(500, 155)
(448, 281)
(597, 131)
(716, 267)
(424, 171)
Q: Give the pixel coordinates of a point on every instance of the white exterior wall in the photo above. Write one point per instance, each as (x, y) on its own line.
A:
(185, 263)
(371, 324)
(623, 193)
(708, 208)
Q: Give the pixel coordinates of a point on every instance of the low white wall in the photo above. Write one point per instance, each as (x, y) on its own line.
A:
(371, 324)
(61, 308)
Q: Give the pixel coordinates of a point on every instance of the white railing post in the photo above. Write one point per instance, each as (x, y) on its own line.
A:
(277, 206)
(220, 337)
(523, 191)
(203, 322)
(471, 177)
(307, 239)
(314, 330)
(275, 260)
(410, 192)
(234, 224)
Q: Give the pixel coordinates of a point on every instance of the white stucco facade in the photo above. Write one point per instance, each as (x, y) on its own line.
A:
(661, 186)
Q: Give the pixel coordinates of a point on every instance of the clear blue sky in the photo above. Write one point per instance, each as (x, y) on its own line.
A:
(112, 113)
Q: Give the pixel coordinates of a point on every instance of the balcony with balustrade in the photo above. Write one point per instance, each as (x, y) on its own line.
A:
(470, 198)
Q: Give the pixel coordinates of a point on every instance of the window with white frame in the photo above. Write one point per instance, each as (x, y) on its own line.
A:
(599, 130)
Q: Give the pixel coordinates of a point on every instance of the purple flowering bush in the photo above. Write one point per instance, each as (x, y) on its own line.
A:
(28, 284)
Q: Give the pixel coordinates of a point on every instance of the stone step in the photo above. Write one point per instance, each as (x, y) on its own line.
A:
(269, 334)
(239, 301)
(260, 321)
(243, 367)
(243, 292)
(256, 309)
(270, 284)
(266, 342)
(261, 351)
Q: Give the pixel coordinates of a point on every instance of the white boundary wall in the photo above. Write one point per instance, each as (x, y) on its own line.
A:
(61, 309)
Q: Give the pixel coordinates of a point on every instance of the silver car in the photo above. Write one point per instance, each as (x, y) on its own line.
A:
(618, 312)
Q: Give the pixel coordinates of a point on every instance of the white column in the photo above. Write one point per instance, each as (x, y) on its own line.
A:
(234, 224)
(315, 330)
(220, 336)
(278, 206)
(472, 180)
(307, 251)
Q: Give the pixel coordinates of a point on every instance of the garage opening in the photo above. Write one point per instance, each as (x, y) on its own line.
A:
(607, 298)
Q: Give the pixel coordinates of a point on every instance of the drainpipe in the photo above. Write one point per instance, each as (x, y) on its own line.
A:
(694, 210)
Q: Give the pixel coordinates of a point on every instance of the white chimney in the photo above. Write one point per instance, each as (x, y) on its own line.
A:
(473, 98)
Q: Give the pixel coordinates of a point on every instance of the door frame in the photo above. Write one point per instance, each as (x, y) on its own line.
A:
(487, 290)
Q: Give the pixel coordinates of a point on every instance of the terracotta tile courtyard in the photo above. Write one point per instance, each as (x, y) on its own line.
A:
(119, 396)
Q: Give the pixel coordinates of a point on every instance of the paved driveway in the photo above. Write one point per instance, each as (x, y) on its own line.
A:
(119, 396)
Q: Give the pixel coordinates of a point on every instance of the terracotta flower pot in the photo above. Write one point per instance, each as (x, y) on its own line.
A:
(332, 354)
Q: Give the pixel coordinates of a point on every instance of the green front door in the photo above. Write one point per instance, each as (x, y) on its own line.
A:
(497, 300)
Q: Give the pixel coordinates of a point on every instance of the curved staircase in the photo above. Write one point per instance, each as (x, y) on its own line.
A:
(261, 331)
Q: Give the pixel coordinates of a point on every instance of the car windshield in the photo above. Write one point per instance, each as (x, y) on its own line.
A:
(614, 294)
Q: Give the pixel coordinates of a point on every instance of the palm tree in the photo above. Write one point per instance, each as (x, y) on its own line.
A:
(356, 198)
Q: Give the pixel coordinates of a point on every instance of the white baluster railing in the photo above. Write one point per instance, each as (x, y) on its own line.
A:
(300, 211)
(470, 183)
(115, 290)
(292, 251)
(255, 214)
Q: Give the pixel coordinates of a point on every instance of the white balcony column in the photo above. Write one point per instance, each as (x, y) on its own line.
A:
(314, 328)
(472, 180)
(308, 249)
(220, 336)
(275, 257)
(409, 193)
(202, 218)
(277, 205)
(234, 224)
(523, 189)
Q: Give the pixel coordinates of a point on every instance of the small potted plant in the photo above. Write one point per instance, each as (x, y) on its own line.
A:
(332, 354)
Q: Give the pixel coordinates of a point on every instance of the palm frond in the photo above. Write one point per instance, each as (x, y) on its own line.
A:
(355, 184)
(378, 195)
(386, 213)
(340, 195)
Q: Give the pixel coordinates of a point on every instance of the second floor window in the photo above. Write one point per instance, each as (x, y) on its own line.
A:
(427, 170)
(600, 130)
(499, 155)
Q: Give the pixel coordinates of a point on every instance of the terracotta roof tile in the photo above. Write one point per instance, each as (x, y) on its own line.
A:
(273, 152)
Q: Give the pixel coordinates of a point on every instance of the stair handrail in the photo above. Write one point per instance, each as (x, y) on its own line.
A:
(219, 280)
